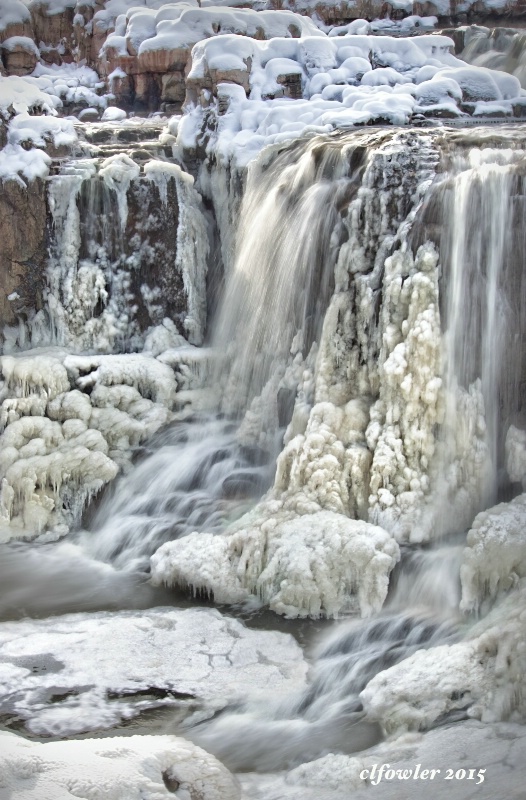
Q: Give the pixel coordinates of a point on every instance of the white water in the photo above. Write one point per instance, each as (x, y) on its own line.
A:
(480, 252)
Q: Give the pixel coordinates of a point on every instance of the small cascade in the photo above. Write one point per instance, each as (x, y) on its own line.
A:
(328, 716)
(482, 249)
(193, 476)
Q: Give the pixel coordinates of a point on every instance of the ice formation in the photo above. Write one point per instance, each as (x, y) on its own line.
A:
(103, 281)
(495, 555)
(516, 455)
(80, 672)
(318, 563)
(60, 445)
(117, 768)
(481, 677)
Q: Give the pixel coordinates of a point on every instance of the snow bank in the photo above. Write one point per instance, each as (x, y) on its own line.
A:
(82, 672)
(494, 559)
(481, 677)
(120, 768)
(317, 564)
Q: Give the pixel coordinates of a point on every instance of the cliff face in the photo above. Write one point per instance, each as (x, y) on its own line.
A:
(23, 251)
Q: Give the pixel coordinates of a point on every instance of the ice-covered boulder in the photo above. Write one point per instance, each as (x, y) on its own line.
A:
(318, 564)
(482, 677)
(69, 424)
(84, 672)
(123, 768)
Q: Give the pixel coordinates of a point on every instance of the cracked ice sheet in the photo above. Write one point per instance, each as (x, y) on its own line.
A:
(497, 748)
(83, 657)
(118, 768)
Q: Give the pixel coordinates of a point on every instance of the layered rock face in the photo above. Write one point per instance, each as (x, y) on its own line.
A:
(23, 226)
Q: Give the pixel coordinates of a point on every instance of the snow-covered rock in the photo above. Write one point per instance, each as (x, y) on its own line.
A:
(266, 92)
(83, 672)
(120, 768)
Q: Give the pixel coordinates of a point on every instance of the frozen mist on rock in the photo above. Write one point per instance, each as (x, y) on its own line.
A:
(279, 380)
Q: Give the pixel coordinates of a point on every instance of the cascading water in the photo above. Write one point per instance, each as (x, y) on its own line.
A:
(482, 248)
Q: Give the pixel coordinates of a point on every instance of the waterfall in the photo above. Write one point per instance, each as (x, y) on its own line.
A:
(325, 306)
(482, 248)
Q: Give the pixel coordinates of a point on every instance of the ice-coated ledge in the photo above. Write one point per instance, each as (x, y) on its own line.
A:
(497, 749)
(83, 672)
(119, 768)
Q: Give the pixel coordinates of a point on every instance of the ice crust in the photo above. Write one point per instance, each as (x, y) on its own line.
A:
(116, 768)
(316, 564)
(99, 667)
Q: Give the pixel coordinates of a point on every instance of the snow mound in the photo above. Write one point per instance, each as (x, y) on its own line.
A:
(118, 768)
(319, 564)
(482, 677)
(495, 557)
(82, 672)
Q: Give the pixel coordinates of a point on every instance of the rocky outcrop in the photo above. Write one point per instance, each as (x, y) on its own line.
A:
(20, 55)
(23, 233)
